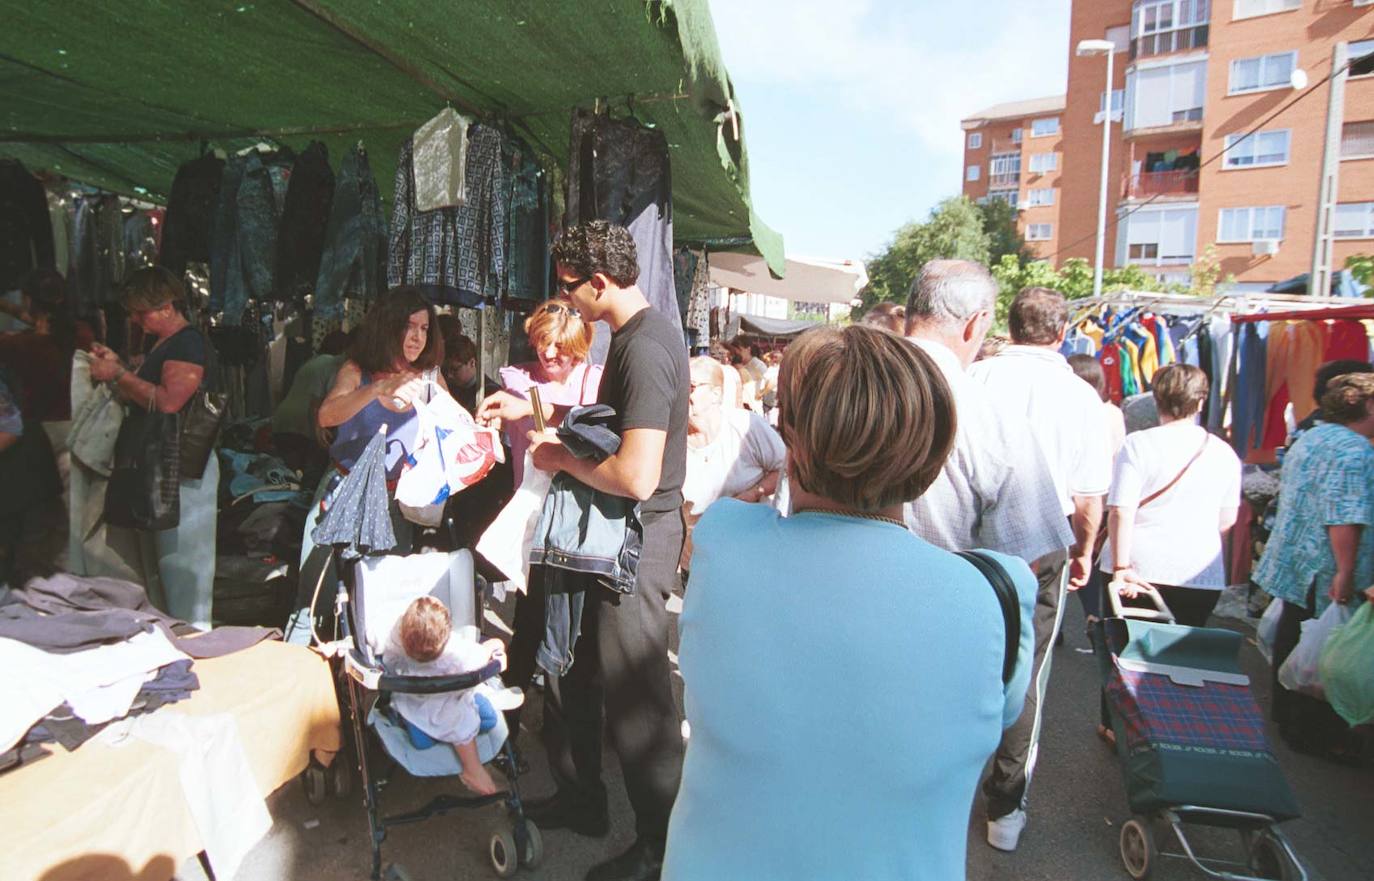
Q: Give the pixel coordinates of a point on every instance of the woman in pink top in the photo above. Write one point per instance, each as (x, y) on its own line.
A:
(565, 380)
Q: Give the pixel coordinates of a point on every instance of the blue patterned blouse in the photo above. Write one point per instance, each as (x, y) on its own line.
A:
(1328, 480)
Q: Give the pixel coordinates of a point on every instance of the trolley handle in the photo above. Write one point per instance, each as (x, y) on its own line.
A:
(1160, 612)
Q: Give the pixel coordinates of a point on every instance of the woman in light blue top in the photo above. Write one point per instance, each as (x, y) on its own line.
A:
(818, 647)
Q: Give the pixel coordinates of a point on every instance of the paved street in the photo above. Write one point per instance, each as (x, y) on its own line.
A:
(1077, 804)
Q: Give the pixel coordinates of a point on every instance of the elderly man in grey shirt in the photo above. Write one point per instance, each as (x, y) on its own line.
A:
(996, 491)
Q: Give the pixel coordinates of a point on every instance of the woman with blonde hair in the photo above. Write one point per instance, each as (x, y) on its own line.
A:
(560, 340)
(840, 589)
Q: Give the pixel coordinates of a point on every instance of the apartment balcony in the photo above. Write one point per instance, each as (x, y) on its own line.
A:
(1003, 181)
(1006, 147)
(1181, 184)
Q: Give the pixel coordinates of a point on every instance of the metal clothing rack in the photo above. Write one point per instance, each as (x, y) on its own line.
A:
(1187, 303)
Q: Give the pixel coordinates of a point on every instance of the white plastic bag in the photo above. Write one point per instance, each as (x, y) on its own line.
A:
(506, 542)
(1301, 671)
(1268, 628)
(452, 452)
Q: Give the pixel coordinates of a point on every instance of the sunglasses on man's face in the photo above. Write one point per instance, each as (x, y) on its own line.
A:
(567, 287)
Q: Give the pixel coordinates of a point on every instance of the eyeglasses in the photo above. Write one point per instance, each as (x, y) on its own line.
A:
(554, 309)
(567, 287)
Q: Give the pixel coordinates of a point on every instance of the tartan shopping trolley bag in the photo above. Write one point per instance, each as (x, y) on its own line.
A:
(1191, 741)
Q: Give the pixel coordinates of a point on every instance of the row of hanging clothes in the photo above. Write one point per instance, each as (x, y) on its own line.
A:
(1133, 343)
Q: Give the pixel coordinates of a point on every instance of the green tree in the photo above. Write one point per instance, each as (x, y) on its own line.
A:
(1361, 266)
(954, 230)
(999, 222)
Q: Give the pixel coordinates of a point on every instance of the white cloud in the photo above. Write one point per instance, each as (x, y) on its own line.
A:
(922, 65)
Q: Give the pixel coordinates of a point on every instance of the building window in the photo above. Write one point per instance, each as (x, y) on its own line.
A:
(1257, 150)
(1251, 8)
(1118, 101)
(1005, 168)
(1043, 162)
(1161, 237)
(1016, 135)
(975, 141)
(1039, 232)
(1250, 224)
(1354, 220)
(1262, 72)
(1160, 26)
(1120, 37)
(973, 173)
(1159, 96)
(1362, 58)
(1009, 196)
(1357, 140)
(1041, 196)
(1049, 125)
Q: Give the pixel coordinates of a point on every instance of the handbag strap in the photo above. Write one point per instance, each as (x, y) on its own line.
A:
(1005, 591)
(1206, 438)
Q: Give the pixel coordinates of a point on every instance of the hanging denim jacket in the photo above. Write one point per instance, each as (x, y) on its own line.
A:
(585, 538)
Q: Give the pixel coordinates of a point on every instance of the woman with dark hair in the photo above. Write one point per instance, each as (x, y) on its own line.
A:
(172, 372)
(1321, 550)
(394, 356)
(869, 421)
(392, 362)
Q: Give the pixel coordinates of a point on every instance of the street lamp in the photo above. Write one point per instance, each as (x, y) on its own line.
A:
(1108, 48)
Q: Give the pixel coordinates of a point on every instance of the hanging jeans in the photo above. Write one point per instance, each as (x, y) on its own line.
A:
(353, 264)
(620, 171)
(1248, 396)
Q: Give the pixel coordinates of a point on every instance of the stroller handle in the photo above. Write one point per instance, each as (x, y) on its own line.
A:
(430, 684)
(1160, 612)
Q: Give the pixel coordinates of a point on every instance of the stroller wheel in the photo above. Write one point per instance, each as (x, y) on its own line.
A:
(533, 852)
(340, 778)
(1269, 859)
(313, 779)
(1138, 848)
(504, 858)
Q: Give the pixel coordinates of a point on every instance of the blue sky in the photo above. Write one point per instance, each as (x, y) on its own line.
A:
(852, 107)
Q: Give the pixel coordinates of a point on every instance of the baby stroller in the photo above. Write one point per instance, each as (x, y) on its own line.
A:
(1191, 742)
(372, 594)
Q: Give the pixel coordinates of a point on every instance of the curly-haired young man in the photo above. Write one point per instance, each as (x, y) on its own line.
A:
(622, 665)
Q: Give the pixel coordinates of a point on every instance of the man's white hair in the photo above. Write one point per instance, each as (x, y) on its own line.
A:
(948, 291)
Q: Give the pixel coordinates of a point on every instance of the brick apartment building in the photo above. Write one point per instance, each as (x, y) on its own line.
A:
(1014, 152)
(1191, 76)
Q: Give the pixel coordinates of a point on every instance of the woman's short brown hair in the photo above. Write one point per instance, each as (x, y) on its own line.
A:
(153, 288)
(1345, 398)
(1179, 390)
(425, 629)
(377, 347)
(555, 321)
(867, 417)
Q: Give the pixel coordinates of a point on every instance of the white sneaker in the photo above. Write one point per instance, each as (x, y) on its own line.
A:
(1005, 832)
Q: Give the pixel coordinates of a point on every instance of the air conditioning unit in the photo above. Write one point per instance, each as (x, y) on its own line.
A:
(1265, 247)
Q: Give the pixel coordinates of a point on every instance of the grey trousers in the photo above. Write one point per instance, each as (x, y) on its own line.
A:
(1007, 786)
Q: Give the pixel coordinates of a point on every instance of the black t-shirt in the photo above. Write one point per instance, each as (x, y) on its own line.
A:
(646, 382)
(186, 345)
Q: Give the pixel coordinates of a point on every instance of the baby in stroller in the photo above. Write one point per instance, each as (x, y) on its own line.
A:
(421, 644)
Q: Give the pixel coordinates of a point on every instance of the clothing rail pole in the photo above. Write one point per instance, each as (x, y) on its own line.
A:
(481, 353)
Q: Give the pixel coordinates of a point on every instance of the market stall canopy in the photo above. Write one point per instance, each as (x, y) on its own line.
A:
(807, 280)
(118, 95)
(776, 328)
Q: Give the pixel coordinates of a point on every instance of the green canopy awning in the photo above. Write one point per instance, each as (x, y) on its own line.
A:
(118, 95)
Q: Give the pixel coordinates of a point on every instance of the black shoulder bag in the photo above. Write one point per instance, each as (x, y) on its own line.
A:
(144, 491)
(1005, 590)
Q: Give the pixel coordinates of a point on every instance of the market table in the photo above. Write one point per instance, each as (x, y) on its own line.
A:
(118, 813)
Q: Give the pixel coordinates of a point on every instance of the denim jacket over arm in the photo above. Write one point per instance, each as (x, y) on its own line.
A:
(584, 538)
